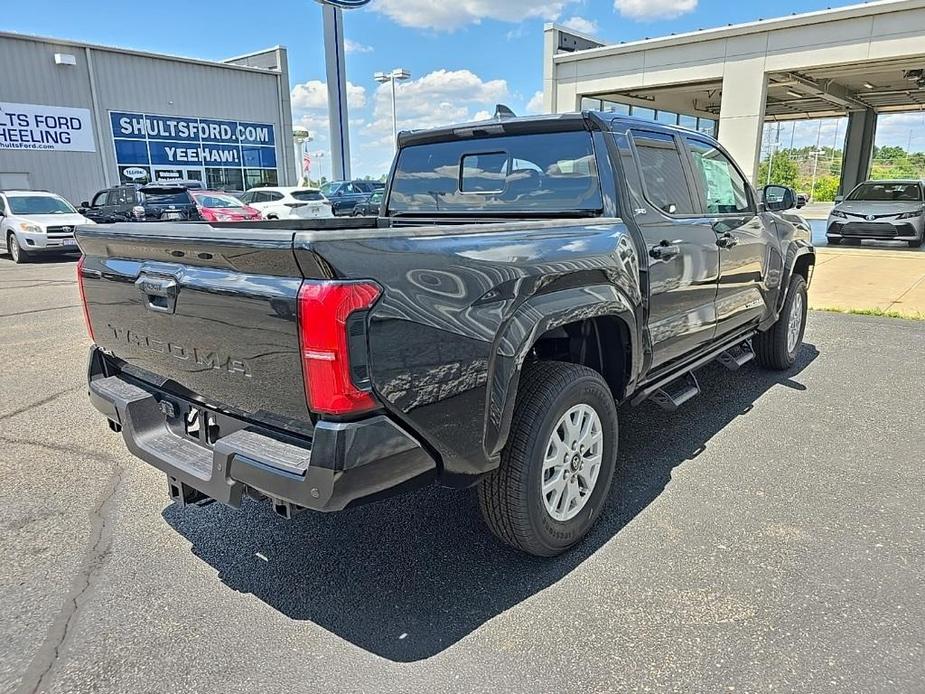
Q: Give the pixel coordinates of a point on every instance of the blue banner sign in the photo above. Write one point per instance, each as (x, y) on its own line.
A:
(187, 142)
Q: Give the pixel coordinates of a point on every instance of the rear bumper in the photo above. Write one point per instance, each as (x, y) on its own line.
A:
(344, 462)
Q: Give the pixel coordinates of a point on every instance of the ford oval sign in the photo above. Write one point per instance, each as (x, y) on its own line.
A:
(345, 4)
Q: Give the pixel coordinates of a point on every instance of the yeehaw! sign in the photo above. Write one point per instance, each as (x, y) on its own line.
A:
(45, 128)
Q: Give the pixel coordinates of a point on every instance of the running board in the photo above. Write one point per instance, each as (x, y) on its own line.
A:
(736, 357)
(672, 395)
(647, 389)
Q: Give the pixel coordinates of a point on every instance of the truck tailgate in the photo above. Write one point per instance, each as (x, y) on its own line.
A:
(209, 313)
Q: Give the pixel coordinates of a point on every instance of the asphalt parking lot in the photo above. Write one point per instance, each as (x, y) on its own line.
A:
(769, 537)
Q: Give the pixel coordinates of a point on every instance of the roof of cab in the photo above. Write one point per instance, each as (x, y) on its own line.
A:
(555, 122)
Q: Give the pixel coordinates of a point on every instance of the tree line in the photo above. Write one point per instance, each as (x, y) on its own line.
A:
(794, 168)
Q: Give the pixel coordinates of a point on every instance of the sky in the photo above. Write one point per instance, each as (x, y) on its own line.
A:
(465, 56)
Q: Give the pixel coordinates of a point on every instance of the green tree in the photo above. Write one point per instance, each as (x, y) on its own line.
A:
(784, 170)
(826, 188)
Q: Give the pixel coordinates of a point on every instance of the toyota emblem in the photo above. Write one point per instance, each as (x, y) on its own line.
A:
(870, 218)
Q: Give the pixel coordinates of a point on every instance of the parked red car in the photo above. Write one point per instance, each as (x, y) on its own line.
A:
(215, 206)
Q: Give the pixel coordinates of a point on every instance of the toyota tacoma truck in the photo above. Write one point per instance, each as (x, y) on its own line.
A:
(523, 279)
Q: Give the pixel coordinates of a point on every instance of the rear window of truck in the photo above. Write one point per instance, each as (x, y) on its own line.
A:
(535, 173)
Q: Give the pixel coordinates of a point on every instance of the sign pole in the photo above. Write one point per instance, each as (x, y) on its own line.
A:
(337, 91)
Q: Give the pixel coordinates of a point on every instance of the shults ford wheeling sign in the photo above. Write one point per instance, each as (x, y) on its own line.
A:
(45, 128)
(180, 141)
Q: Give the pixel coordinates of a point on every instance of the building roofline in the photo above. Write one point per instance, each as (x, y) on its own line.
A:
(253, 54)
(866, 9)
(143, 54)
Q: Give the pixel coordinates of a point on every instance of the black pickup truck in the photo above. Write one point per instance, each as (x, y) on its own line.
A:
(526, 277)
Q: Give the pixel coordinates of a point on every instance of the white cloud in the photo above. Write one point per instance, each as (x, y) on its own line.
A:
(437, 98)
(313, 96)
(352, 46)
(654, 9)
(581, 25)
(447, 15)
(535, 105)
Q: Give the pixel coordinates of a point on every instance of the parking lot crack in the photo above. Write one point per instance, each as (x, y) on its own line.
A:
(41, 669)
(43, 401)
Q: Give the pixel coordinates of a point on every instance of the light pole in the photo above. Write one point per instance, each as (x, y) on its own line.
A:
(773, 146)
(299, 137)
(816, 153)
(334, 58)
(397, 75)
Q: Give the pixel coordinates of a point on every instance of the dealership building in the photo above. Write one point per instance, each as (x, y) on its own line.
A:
(76, 118)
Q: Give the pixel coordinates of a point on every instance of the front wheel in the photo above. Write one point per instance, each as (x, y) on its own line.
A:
(16, 252)
(777, 348)
(557, 467)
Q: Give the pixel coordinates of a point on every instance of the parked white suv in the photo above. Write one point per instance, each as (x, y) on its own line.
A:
(288, 203)
(33, 222)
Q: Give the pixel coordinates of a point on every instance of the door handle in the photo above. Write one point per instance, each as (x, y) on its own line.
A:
(664, 250)
(727, 240)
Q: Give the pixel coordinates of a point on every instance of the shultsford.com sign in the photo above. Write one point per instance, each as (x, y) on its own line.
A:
(45, 128)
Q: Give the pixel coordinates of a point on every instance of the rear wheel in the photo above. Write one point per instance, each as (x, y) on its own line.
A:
(18, 255)
(777, 348)
(557, 467)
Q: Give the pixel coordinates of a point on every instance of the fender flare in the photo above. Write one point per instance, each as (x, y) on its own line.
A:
(795, 251)
(517, 336)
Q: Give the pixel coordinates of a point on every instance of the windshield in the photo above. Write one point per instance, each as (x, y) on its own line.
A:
(887, 192)
(330, 188)
(216, 201)
(376, 197)
(167, 197)
(39, 204)
(544, 173)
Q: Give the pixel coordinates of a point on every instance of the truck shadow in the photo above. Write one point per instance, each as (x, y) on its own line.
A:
(408, 577)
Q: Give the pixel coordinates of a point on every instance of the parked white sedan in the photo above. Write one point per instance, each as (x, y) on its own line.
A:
(288, 203)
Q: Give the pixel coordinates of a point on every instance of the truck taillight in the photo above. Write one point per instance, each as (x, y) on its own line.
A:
(83, 297)
(328, 338)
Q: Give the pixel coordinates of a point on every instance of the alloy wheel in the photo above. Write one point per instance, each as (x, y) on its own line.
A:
(572, 462)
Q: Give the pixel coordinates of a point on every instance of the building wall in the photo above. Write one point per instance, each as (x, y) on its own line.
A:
(105, 80)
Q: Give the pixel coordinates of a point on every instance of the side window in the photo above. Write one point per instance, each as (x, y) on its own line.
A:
(2, 206)
(725, 190)
(273, 196)
(662, 172)
(99, 199)
(247, 198)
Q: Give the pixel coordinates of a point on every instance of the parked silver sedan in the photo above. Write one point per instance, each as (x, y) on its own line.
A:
(885, 210)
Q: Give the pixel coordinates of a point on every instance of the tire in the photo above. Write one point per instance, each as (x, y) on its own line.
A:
(511, 498)
(773, 348)
(16, 252)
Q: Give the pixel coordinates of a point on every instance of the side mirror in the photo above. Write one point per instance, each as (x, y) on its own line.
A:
(84, 205)
(778, 198)
(839, 199)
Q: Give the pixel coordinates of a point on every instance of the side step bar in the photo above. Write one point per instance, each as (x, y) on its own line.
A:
(736, 357)
(668, 388)
(672, 395)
